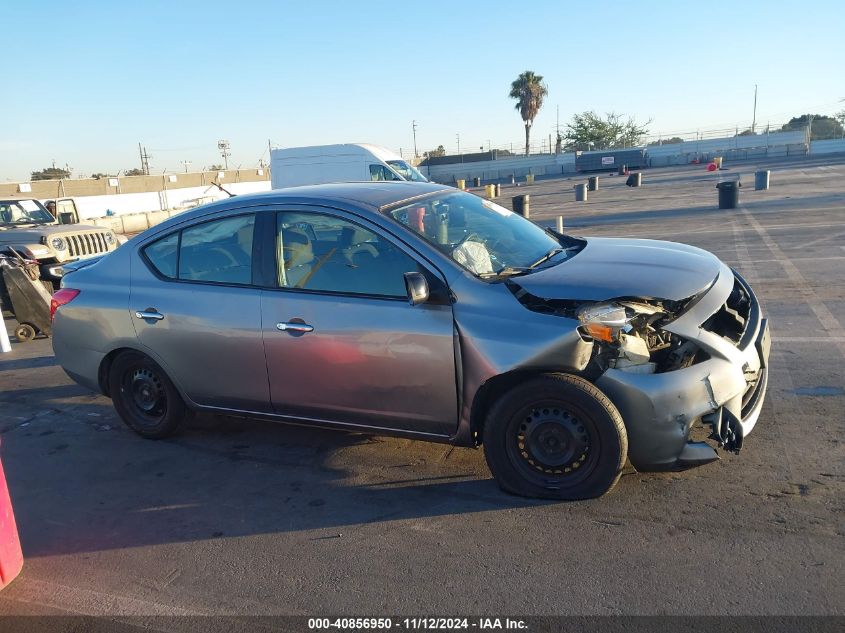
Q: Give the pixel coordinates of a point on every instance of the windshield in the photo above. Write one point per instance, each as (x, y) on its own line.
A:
(406, 171)
(481, 236)
(14, 212)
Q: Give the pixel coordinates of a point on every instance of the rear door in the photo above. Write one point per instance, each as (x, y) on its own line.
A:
(197, 312)
(341, 340)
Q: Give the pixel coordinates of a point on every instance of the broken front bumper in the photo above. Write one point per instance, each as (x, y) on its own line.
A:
(725, 391)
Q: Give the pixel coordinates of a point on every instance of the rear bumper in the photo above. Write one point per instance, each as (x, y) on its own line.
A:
(725, 393)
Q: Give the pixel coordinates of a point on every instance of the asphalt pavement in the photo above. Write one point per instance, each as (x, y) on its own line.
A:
(248, 518)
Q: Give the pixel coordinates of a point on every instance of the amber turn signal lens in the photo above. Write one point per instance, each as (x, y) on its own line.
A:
(599, 332)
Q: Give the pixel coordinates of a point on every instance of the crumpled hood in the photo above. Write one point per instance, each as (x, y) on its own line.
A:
(609, 268)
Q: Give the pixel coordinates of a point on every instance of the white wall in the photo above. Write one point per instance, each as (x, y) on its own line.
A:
(123, 203)
(503, 168)
(775, 144)
(828, 146)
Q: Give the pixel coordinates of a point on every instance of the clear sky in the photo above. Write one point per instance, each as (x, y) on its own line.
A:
(85, 81)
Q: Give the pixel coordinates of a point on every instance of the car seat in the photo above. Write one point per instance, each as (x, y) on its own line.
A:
(355, 247)
(298, 257)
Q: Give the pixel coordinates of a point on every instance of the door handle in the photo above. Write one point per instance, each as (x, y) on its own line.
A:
(294, 326)
(149, 314)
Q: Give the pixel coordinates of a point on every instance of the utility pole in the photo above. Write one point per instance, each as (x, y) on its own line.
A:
(754, 120)
(458, 136)
(186, 163)
(223, 146)
(145, 160)
(557, 131)
(414, 128)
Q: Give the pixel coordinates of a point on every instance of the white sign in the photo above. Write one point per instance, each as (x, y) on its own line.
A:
(221, 175)
(607, 160)
(24, 187)
(113, 182)
(172, 178)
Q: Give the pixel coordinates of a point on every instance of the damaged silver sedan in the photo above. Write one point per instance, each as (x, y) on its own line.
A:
(417, 310)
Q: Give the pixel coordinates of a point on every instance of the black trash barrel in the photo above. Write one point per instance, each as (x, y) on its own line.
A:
(30, 302)
(520, 205)
(593, 183)
(728, 194)
(634, 180)
(476, 182)
(761, 179)
(581, 193)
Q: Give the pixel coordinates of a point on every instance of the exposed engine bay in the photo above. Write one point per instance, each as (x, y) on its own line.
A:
(627, 332)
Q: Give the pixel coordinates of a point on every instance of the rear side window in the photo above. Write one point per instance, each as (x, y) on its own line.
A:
(218, 251)
(162, 254)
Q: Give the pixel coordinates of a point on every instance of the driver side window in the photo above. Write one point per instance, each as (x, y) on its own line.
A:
(326, 253)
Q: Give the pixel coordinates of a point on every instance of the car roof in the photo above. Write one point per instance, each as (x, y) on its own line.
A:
(374, 195)
(370, 196)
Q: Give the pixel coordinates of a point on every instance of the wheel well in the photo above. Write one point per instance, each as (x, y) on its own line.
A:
(105, 367)
(492, 390)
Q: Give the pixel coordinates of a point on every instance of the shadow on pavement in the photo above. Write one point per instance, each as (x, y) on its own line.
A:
(91, 484)
(27, 363)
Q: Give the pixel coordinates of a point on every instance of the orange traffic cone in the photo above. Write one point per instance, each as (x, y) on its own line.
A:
(11, 556)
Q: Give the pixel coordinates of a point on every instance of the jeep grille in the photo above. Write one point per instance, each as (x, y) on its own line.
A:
(87, 244)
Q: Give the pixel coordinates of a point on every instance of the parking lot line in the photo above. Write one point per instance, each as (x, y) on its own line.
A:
(827, 319)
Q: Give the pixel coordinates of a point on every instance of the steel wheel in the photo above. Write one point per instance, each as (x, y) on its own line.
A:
(555, 436)
(147, 393)
(550, 442)
(144, 396)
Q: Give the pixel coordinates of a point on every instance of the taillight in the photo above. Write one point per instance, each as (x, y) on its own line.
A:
(60, 298)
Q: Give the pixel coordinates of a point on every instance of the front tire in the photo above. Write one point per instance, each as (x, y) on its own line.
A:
(144, 396)
(555, 436)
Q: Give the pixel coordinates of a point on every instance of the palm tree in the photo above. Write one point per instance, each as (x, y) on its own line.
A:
(529, 91)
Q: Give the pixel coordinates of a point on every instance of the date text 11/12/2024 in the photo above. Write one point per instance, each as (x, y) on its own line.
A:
(413, 624)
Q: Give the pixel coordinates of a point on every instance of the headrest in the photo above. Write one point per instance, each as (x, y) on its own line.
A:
(350, 236)
(296, 248)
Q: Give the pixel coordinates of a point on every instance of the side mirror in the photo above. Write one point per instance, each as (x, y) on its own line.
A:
(417, 288)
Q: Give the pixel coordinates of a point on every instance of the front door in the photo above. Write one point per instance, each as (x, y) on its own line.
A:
(342, 342)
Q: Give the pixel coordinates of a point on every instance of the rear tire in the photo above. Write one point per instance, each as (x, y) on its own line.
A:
(555, 436)
(144, 396)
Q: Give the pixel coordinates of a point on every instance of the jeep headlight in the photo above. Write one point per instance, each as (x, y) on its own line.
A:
(110, 239)
(58, 243)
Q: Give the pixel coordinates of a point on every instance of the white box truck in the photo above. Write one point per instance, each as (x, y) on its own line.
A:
(350, 162)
